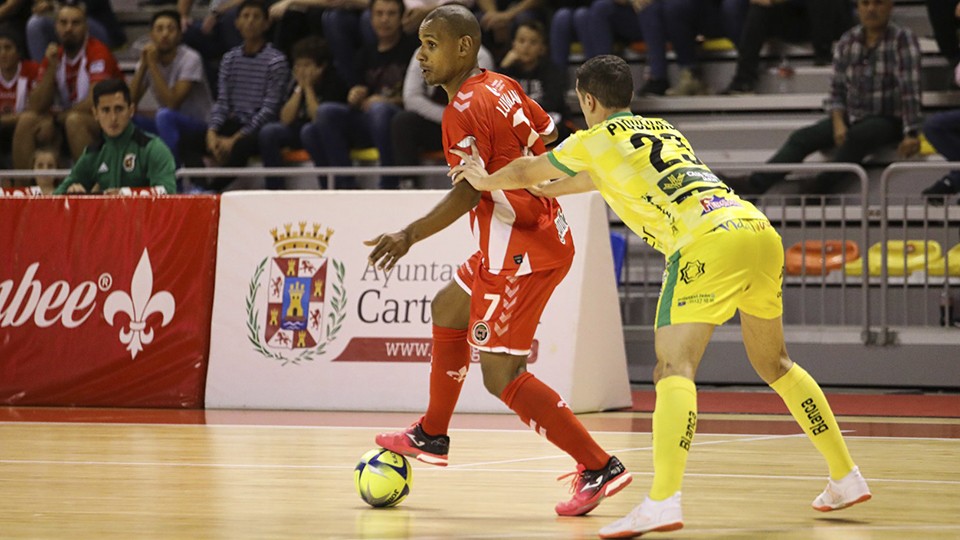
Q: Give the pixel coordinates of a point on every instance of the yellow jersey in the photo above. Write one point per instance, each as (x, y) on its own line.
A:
(647, 172)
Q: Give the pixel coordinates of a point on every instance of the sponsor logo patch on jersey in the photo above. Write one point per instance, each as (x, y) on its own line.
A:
(716, 202)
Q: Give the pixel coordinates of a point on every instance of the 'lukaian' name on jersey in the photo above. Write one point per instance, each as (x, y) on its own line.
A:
(649, 175)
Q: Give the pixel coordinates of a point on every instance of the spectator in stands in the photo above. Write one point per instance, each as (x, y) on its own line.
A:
(364, 120)
(415, 10)
(945, 20)
(14, 15)
(629, 21)
(416, 129)
(874, 99)
(174, 74)
(46, 158)
(529, 64)
(125, 156)
(824, 20)
(569, 16)
(212, 36)
(62, 99)
(253, 78)
(315, 81)
(17, 79)
(101, 20)
(345, 25)
(500, 18)
(943, 131)
(686, 21)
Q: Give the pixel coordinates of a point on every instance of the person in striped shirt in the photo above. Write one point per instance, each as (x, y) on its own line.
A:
(874, 100)
(252, 81)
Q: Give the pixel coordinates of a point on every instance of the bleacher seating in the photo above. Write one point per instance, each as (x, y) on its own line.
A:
(722, 129)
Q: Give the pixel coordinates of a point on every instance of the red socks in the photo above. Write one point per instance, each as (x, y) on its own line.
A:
(449, 362)
(541, 408)
(535, 403)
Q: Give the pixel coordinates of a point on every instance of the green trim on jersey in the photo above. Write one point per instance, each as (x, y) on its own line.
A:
(559, 165)
(666, 296)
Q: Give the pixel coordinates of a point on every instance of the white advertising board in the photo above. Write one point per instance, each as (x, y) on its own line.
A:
(301, 321)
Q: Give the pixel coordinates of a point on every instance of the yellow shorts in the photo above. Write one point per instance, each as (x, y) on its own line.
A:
(738, 265)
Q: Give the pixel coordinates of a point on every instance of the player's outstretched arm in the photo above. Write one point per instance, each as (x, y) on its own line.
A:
(388, 248)
(568, 185)
(520, 173)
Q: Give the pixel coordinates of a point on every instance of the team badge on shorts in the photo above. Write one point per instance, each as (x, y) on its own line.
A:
(129, 162)
(481, 332)
(692, 271)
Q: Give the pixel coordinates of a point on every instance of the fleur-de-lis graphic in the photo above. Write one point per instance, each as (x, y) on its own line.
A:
(139, 304)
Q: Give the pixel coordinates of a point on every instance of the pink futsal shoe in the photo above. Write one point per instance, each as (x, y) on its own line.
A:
(648, 516)
(848, 491)
(413, 442)
(591, 487)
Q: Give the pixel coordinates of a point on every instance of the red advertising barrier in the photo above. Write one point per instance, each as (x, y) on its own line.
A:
(106, 301)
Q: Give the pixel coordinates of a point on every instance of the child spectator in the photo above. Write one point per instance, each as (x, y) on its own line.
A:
(46, 158)
(252, 81)
(528, 63)
(315, 81)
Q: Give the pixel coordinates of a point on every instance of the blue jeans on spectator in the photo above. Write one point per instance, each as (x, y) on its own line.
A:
(42, 31)
(687, 19)
(563, 32)
(172, 126)
(609, 20)
(346, 30)
(339, 127)
(276, 136)
(214, 45)
(145, 123)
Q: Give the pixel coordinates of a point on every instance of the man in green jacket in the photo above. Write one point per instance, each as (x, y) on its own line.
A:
(124, 156)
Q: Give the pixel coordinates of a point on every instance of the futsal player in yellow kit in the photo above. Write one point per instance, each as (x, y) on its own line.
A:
(722, 255)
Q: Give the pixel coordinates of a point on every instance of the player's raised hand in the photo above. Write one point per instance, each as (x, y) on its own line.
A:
(388, 249)
(470, 169)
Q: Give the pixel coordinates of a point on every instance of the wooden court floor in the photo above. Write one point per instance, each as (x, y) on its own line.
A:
(105, 474)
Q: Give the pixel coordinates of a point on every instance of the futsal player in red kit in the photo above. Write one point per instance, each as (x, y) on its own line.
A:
(525, 249)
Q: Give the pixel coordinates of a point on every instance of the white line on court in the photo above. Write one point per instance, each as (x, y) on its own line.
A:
(748, 438)
(848, 433)
(420, 470)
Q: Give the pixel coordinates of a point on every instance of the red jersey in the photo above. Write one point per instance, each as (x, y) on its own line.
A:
(76, 76)
(13, 93)
(517, 232)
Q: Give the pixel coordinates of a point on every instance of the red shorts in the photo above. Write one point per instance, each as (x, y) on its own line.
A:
(505, 310)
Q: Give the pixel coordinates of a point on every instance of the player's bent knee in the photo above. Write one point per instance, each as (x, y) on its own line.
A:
(450, 308)
(666, 368)
(499, 370)
(496, 379)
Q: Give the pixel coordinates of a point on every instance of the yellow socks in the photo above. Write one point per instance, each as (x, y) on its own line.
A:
(674, 422)
(810, 409)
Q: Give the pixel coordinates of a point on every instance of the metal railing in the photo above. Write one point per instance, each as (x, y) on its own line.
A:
(810, 221)
(801, 221)
(330, 173)
(947, 217)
